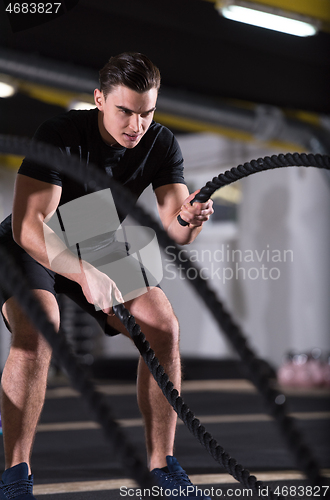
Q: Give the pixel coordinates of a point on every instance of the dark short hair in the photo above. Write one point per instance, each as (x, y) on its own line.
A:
(131, 69)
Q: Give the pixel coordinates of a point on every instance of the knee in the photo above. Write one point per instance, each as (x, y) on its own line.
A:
(28, 341)
(26, 338)
(173, 329)
(167, 335)
(158, 322)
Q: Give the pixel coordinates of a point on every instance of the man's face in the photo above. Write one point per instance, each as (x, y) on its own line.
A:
(125, 115)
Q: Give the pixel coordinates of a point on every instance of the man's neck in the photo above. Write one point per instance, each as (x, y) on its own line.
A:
(107, 138)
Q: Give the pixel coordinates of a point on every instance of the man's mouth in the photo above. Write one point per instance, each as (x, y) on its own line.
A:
(132, 137)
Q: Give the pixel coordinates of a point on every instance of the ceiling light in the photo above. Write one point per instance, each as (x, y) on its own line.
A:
(267, 17)
(7, 86)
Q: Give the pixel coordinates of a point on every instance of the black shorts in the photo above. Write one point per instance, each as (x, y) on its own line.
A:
(40, 278)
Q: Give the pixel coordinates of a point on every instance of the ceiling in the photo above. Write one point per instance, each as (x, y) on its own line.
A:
(198, 52)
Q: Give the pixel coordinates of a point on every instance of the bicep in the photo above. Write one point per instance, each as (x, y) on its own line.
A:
(169, 200)
(34, 200)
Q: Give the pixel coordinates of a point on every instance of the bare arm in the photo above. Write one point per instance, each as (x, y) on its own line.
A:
(34, 201)
(173, 199)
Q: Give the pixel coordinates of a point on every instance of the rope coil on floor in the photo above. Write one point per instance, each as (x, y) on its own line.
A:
(96, 179)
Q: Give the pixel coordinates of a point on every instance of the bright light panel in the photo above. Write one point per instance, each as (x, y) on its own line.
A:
(267, 20)
(81, 105)
(6, 90)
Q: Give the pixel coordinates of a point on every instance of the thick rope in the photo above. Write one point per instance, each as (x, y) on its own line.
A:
(260, 165)
(14, 283)
(51, 157)
(184, 412)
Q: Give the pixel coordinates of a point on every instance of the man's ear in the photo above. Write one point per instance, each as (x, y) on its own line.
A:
(98, 99)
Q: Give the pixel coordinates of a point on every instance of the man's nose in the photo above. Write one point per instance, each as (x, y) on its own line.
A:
(135, 122)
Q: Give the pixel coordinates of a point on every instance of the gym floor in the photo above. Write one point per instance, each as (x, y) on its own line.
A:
(73, 460)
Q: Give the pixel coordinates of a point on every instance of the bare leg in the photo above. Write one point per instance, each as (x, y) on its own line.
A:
(24, 379)
(153, 312)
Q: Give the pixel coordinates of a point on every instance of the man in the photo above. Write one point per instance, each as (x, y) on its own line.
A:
(119, 136)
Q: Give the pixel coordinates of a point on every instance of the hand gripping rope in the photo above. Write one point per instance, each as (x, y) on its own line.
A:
(96, 179)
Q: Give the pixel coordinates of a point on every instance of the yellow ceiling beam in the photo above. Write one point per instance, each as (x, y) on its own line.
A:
(190, 125)
(10, 161)
(63, 98)
(51, 95)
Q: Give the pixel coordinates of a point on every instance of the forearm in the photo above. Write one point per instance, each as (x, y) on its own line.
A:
(43, 245)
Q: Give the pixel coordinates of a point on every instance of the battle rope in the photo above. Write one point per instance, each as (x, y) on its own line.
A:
(13, 281)
(254, 166)
(184, 412)
(97, 180)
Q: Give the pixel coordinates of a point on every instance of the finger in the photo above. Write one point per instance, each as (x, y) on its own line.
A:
(203, 209)
(118, 296)
(190, 211)
(197, 206)
(195, 219)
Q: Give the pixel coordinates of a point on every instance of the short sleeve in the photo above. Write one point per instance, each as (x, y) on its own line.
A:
(48, 134)
(171, 165)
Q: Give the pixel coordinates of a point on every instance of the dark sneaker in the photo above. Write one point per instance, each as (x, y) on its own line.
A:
(175, 479)
(16, 484)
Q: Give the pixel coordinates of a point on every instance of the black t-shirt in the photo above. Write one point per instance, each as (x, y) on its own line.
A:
(155, 160)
